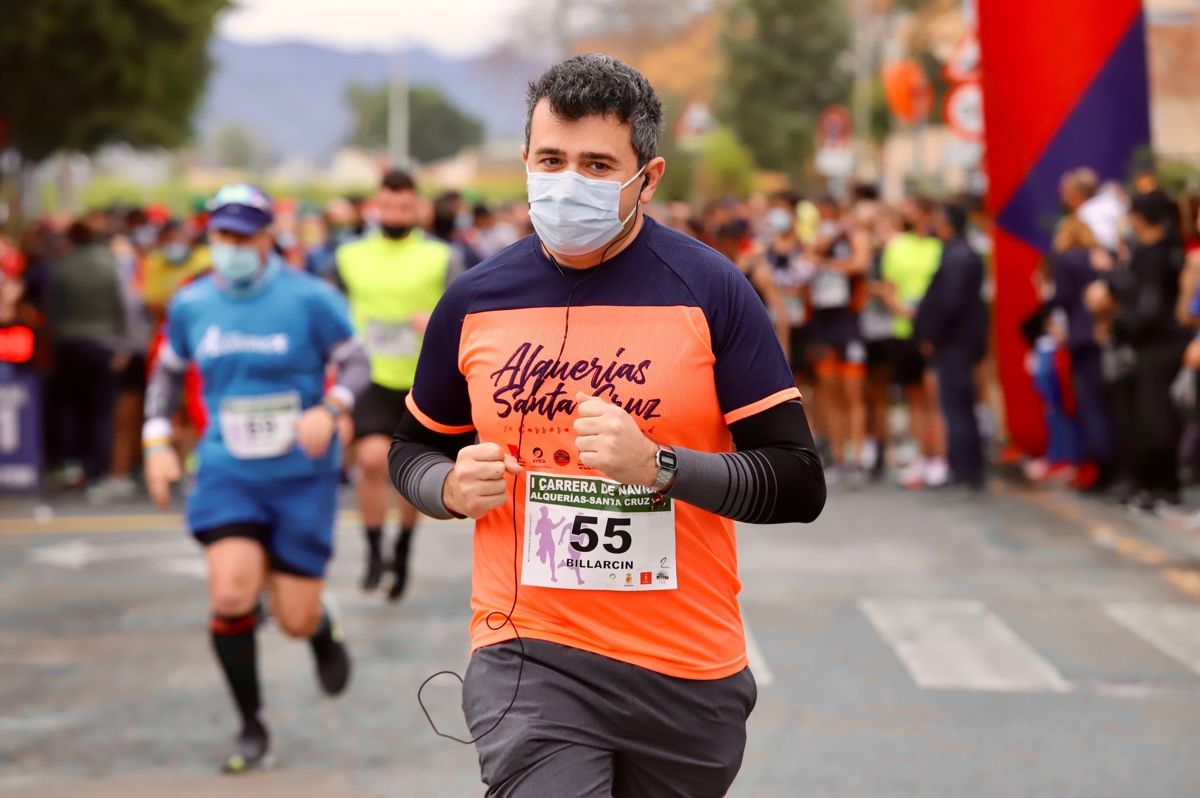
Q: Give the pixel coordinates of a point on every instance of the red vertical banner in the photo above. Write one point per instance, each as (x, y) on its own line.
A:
(1064, 86)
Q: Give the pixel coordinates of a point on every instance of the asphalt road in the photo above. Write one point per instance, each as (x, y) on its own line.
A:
(905, 645)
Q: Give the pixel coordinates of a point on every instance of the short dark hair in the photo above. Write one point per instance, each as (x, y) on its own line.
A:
(955, 215)
(397, 180)
(1153, 206)
(596, 84)
(867, 192)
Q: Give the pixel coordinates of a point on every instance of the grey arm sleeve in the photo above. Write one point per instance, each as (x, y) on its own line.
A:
(422, 481)
(353, 370)
(164, 390)
(774, 477)
(419, 462)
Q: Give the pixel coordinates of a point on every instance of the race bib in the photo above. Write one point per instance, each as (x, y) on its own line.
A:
(796, 314)
(590, 533)
(392, 339)
(257, 427)
(830, 290)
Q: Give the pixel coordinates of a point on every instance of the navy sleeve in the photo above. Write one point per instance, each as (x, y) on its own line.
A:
(439, 397)
(751, 371)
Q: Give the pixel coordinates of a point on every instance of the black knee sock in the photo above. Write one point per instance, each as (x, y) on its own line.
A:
(323, 636)
(375, 541)
(237, 651)
(403, 542)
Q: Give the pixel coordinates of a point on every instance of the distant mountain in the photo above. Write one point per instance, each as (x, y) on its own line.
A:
(291, 93)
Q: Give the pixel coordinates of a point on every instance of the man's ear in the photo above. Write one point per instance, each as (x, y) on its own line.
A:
(652, 176)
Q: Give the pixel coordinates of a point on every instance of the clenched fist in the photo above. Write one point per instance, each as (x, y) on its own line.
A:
(476, 484)
(608, 440)
(314, 431)
(162, 468)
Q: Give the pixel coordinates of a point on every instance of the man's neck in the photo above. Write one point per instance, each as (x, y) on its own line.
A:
(593, 259)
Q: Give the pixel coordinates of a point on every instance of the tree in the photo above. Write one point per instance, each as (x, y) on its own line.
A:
(78, 75)
(437, 129)
(784, 64)
(727, 167)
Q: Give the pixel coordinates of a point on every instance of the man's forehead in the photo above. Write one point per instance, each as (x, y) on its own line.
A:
(593, 133)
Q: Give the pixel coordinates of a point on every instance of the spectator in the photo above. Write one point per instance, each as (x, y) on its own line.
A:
(1104, 214)
(450, 225)
(1143, 300)
(176, 260)
(89, 323)
(951, 322)
(343, 224)
(1073, 266)
(908, 264)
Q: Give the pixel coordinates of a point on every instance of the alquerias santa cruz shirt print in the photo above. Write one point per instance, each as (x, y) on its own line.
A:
(670, 331)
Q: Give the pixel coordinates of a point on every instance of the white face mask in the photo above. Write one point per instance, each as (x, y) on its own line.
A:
(574, 215)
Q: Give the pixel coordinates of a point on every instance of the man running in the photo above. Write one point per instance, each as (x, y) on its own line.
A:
(393, 280)
(908, 264)
(265, 498)
(837, 294)
(642, 360)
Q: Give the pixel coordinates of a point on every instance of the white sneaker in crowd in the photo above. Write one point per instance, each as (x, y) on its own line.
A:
(937, 472)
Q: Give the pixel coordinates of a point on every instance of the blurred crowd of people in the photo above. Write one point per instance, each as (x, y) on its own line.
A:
(883, 310)
(96, 288)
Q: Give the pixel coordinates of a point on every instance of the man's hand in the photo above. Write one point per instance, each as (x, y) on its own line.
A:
(162, 469)
(608, 440)
(1191, 355)
(314, 431)
(1098, 298)
(476, 485)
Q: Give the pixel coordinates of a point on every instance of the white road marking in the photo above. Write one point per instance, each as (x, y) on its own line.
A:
(193, 567)
(960, 645)
(1173, 629)
(78, 553)
(758, 663)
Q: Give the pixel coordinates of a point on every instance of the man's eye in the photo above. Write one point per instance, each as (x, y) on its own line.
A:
(599, 166)
(551, 162)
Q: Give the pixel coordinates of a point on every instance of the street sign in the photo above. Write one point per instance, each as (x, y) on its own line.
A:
(963, 111)
(835, 155)
(834, 128)
(963, 63)
(907, 90)
(695, 123)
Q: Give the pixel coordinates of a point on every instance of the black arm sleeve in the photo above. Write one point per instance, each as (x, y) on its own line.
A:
(774, 477)
(419, 462)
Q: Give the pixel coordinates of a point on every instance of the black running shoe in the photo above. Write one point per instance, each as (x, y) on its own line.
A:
(329, 651)
(374, 572)
(400, 567)
(252, 751)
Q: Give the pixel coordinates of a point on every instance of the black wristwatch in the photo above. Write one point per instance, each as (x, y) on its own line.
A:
(334, 408)
(668, 464)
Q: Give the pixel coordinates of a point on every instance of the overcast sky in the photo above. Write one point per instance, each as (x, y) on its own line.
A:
(458, 27)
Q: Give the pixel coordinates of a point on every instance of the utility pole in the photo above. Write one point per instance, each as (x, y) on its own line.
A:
(398, 112)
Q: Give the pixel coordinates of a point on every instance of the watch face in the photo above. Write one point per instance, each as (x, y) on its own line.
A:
(667, 459)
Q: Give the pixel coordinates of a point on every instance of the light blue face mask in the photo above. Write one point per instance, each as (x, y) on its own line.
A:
(238, 266)
(778, 221)
(574, 215)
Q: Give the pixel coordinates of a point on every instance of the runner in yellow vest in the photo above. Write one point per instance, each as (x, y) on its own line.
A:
(393, 280)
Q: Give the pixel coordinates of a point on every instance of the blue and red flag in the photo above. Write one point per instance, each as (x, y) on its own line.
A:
(1064, 85)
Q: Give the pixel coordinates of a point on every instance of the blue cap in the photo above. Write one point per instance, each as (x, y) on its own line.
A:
(240, 208)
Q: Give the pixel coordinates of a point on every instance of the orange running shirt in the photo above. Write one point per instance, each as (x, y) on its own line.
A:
(670, 331)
